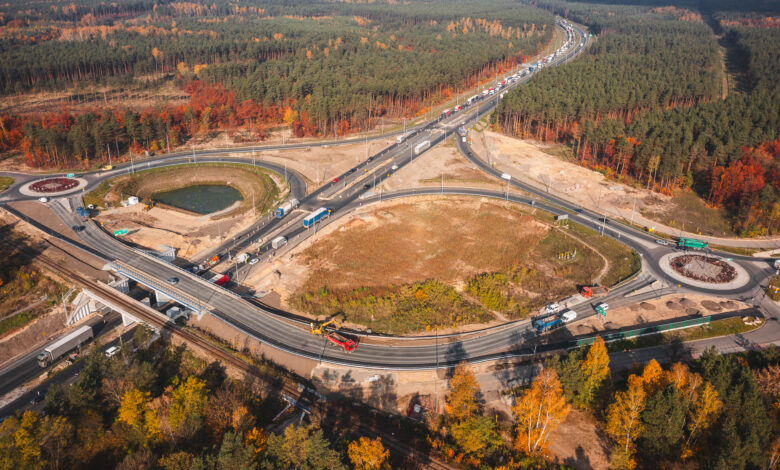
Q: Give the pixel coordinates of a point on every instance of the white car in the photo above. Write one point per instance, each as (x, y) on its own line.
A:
(112, 351)
(43, 199)
(552, 308)
(253, 261)
(568, 316)
(395, 167)
(662, 242)
(603, 306)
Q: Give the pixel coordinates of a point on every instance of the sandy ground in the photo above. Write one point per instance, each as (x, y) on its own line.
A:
(188, 233)
(579, 443)
(528, 162)
(296, 268)
(665, 308)
(427, 170)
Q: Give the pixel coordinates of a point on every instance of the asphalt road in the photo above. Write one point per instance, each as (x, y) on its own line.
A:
(271, 329)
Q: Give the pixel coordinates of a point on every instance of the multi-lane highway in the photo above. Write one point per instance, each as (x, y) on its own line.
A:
(343, 197)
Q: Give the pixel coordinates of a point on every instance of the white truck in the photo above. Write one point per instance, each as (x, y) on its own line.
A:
(286, 208)
(421, 147)
(278, 242)
(64, 345)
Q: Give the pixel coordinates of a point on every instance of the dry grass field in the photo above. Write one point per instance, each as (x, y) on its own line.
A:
(441, 262)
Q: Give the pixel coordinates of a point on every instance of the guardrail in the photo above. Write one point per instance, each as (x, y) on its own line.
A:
(650, 330)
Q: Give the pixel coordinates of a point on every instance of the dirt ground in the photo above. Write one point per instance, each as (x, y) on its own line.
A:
(445, 159)
(666, 308)
(529, 162)
(406, 242)
(579, 443)
(34, 334)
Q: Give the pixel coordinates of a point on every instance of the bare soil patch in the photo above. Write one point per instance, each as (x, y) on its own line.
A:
(579, 443)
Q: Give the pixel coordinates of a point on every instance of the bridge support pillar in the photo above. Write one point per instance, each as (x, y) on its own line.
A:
(162, 297)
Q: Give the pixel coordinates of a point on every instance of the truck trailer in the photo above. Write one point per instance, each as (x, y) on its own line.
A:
(421, 147)
(220, 279)
(64, 345)
(316, 216)
(286, 208)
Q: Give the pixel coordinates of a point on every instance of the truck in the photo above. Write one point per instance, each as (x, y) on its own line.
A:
(402, 137)
(286, 208)
(345, 343)
(548, 323)
(421, 147)
(220, 279)
(593, 291)
(446, 113)
(316, 216)
(242, 258)
(278, 242)
(64, 345)
(82, 212)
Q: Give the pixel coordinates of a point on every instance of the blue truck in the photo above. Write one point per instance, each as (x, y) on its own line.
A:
(547, 323)
(82, 212)
(316, 216)
(285, 209)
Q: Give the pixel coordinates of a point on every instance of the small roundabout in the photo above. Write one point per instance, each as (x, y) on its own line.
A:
(704, 271)
(52, 187)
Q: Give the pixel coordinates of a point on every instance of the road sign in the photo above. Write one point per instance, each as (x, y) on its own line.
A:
(121, 231)
(506, 176)
(70, 175)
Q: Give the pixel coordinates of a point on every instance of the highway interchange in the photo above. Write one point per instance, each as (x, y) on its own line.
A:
(355, 189)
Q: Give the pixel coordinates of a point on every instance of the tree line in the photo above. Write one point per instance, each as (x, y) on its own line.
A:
(654, 115)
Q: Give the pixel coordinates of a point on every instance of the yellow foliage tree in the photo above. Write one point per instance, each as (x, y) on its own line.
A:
(702, 415)
(538, 411)
(652, 377)
(290, 115)
(462, 399)
(134, 411)
(595, 369)
(257, 439)
(368, 454)
(623, 422)
(188, 402)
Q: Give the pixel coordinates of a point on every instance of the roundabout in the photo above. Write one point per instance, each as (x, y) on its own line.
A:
(53, 187)
(704, 271)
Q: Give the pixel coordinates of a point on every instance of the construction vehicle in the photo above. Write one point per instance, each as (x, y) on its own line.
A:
(593, 291)
(320, 328)
(347, 344)
(148, 204)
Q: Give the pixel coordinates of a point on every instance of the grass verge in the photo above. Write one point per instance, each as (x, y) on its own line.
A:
(5, 182)
(725, 327)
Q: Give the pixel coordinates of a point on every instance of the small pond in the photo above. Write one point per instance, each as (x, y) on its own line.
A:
(201, 198)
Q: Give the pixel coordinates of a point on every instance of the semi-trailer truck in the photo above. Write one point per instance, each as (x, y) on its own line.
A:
(286, 208)
(316, 216)
(64, 345)
(421, 147)
(220, 279)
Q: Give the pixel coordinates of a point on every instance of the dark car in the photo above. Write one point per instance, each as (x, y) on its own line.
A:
(366, 186)
(352, 171)
(579, 211)
(37, 398)
(77, 228)
(370, 158)
(172, 280)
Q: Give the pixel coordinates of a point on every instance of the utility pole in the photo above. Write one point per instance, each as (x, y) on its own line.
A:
(192, 142)
(632, 213)
(109, 154)
(603, 221)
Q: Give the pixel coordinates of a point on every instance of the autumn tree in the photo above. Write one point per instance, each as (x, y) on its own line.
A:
(702, 415)
(538, 411)
(462, 401)
(368, 454)
(623, 415)
(300, 447)
(134, 411)
(188, 406)
(595, 370)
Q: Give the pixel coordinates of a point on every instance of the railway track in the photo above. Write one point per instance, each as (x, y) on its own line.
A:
(301, 394)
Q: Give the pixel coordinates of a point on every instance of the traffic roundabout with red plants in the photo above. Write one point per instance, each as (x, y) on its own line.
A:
(53, 185)
(703, 268)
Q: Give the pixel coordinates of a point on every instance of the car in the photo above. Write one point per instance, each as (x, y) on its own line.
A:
(43, 199)
(336, 179)
(91, 206)
(37, 398)
(552, 308)
(568, 315)
(172, 280)
(579, 211)
(366, 186)
(77, 228)
(662, 242)
(253, 261)
(394, 167)
(112, 351)
(370, 159)
(603, 307)
(352, 171)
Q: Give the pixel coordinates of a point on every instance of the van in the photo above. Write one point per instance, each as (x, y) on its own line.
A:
(112, 351)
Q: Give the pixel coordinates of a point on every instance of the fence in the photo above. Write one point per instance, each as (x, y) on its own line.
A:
(650, 330)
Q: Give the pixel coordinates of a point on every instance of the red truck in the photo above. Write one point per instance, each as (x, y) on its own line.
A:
(593, 291)
(347, 344)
